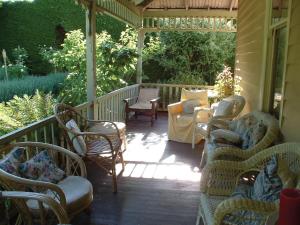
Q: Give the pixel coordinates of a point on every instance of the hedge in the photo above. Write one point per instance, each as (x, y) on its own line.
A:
(29, 84)
(31, 24)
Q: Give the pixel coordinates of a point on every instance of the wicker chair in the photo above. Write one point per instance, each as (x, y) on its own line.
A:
(180, 123)
(220, 178)
(236, 153)
(19, 199)
(72, 200)
(200, 128)
(101, 139)
(145, 103)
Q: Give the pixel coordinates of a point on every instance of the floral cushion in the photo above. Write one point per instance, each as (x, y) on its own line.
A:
(189, 105)
(11, 162)
(41, 167)
(228, 135)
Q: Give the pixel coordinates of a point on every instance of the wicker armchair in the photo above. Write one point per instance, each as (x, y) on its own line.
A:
(72, 200)
(19, 198)
(201, 128)
(236, 153)
(220, 178)
(95, 140)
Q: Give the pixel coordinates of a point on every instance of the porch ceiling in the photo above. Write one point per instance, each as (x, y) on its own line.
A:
(205, 15)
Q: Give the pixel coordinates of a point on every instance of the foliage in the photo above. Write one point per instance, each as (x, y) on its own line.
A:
(224, 85)
(186, 78)
(29, 84)
(115, 63)
(32, 24)
(17, 68)
(19, 112)
(201, 54)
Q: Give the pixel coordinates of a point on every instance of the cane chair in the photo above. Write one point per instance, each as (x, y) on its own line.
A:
(44, 201)
(146, 103)
(236, 104)
(72, 200)
(94, 140)
(220, 179)
(184, 114)
(234, 152)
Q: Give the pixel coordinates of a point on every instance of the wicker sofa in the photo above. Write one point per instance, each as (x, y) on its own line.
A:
(72, 200)
(234, 152)
(220, 179)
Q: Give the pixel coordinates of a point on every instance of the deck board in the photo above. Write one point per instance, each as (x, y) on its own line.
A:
(160, 185)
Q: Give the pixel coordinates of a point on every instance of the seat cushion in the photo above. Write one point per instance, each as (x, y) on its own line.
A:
(141, 105)
(78, 192)
(228, 135)
(207, 207)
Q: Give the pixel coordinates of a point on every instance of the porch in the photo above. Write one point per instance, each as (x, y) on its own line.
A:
(160, 184)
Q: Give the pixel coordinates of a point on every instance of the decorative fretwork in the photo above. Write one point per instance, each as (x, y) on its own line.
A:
(215, 24)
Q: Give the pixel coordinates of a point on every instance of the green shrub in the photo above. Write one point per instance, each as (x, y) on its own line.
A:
(115, 63)
(187, 78)
(14, 71)
(21, 111)
(29, 84)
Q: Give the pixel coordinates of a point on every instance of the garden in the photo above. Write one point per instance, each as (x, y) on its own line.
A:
(35, 76)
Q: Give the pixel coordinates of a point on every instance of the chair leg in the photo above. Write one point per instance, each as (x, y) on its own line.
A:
(203, 159)
(126, 118)
(122, 161)
(114, 180)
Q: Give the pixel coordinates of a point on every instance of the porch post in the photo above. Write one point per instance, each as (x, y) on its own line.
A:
(91, 57)
(140, 46)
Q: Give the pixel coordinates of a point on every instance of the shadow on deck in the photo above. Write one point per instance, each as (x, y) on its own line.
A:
(160, 184)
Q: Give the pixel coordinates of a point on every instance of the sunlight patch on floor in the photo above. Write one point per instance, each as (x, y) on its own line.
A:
(166, 171)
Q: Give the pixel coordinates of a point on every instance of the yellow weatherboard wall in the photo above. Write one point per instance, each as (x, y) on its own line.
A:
(250, 60)
(291, 108)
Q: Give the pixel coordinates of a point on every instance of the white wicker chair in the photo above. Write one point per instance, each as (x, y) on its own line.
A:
(236, 153)
(220, 178)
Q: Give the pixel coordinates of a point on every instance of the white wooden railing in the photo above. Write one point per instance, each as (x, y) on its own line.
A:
(107, 107)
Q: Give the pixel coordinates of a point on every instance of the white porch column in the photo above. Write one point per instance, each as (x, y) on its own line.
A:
(140, 46)
(91, 57)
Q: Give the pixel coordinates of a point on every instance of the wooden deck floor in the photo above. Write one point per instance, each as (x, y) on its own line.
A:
(158, 187)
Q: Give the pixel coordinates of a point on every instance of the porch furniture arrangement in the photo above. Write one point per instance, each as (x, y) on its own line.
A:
(184, 114)
(227, 109)
(145, 103)
(19, 199)
(46, 169)
(226, 199)
(239, 139)
(95, 140)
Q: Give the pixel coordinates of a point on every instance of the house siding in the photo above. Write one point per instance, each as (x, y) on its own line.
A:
(250, 59)
(291, 106)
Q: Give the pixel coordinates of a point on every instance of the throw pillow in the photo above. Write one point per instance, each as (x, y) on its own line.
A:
(200, 95)
(224, 108)
(12, 161)
(288, 177)
(257, 133)
(228, 135)
(268, 184)
(189, 105)
(78, 141)
(41, 167)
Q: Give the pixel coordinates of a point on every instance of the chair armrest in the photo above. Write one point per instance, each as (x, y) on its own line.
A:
(175, 108)
(34, 185)
(230, 206)
(202, 114)
(57, 209)
(232, 153)
(59, 149)
(155, 100)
